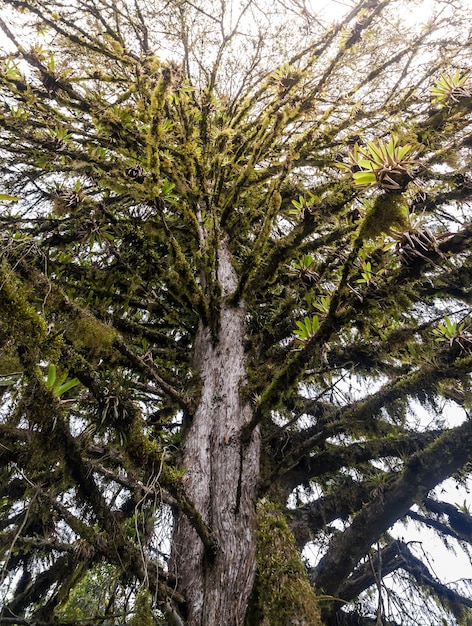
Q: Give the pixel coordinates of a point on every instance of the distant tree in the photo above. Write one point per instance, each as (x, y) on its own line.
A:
(235, 264)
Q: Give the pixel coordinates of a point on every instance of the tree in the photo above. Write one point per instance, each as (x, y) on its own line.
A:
(235, 262)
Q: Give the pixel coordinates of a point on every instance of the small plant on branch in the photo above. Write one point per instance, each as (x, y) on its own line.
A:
(304, 204)
(368, 274)
(415, 241)
(306, 328)
(450, 88)
(387, 165)
(286, 77)
(455, 333)
(59, 385)
(304, 268)
(323, 304)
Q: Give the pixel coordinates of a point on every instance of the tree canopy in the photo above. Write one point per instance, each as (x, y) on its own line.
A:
(235, 274)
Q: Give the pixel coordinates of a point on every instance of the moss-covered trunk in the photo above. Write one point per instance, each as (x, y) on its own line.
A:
(221, 475)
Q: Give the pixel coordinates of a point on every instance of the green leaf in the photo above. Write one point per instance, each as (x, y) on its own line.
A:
(59, 391)
(375, 151)
(323, 304)
(6, 382)
(391, 148)
(51, 379)
(402, 151)
(307, 328)
(364, 178)
(167, 189)
(11, 70)
(6, 197)
(451, 326)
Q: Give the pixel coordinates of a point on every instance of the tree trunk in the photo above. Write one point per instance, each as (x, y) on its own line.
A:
(221, 475)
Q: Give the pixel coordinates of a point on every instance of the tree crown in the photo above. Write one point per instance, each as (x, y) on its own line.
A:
(166, 166)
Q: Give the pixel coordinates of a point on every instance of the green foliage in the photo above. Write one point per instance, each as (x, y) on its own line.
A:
(449, 88)
(59, 384)
(367, 273)
(91, 595)
(447, 329)
(286, 76)
(387, 165)
(304, 202)
(455, 333)
(464, 508)
(307, 328)
(304, 268)
(323, 304)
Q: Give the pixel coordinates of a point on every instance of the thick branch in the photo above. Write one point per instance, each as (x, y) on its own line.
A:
(332, 457)
(397, 555)
(423, 471)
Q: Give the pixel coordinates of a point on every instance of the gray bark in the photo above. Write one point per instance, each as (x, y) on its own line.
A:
(221, 475)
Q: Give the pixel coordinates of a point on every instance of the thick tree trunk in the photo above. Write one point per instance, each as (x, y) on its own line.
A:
(221, 475)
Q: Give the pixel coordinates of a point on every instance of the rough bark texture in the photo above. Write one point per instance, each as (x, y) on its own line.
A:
(221, 475)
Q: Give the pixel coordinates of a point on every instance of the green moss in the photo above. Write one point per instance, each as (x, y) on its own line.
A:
(9, 363)
(19, 321)
(138, 444)
(284, 593)
(389, 210)
(143, 614)
(339, 194)
(91, 336)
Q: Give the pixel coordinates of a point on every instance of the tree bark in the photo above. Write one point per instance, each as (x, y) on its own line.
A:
(221, 474)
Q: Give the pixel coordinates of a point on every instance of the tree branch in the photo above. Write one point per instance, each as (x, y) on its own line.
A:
(424, 470)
